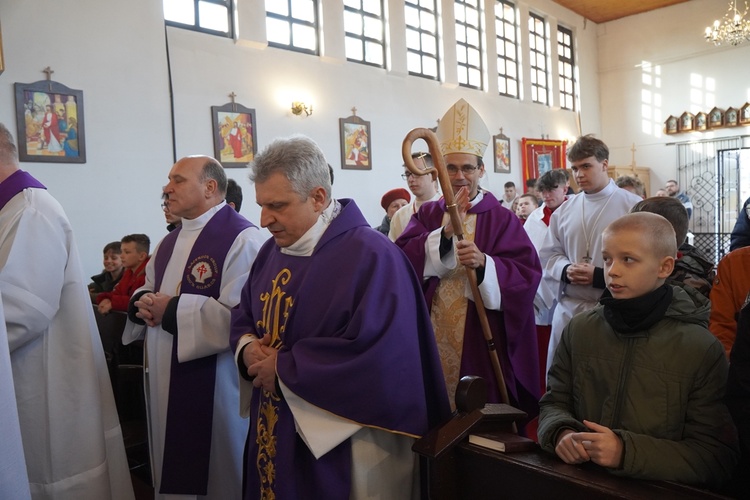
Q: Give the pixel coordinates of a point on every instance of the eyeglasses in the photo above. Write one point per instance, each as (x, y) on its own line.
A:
(466, 169)
(406, 175)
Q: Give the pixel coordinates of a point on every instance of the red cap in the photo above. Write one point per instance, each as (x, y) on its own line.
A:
(393, 195)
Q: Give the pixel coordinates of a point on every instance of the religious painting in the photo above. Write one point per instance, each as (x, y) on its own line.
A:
(731, 117)
(541, 156)
(501, 147)
(701, 121)
(745, 114)
(670, 126)
(356, 143)
(49, 117)
(716, 118)
(235, 137)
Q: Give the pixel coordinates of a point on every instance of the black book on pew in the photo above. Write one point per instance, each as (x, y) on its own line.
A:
(505, 442)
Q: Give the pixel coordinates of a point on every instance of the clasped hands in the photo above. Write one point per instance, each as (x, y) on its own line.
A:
(601, 446)
(260, 359)
(468, 253)
(580, 273)
(151, 307)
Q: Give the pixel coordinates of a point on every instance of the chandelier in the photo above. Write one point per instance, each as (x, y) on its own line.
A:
(734, 29)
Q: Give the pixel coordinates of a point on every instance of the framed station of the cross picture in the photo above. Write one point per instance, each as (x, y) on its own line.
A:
(49, 117)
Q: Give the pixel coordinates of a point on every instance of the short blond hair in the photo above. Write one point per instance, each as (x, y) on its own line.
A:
(655, 230)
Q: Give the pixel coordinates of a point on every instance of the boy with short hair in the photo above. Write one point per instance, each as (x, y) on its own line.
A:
(135, 249)
(110, 275)
(692, 267)
(510, 196)
(636, 384)
(526, 205)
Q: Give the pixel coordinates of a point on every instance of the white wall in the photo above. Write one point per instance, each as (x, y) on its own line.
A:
(693, 76)
(116, 53)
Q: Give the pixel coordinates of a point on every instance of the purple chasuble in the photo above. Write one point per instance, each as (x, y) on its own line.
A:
(500, 235)
(354, 338)
(15, 183)
(187, 443)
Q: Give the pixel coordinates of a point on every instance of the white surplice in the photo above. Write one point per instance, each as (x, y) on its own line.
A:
(546, 295)
(203, 326)
(401, 218)
(14, 483)
(69, 425)
(567, 242)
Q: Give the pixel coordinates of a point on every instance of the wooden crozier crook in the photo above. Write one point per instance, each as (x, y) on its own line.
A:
(445, 185)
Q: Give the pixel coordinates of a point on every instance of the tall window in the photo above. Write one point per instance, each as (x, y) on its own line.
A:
(506, 27)
(421, 38)
(469, 43)
(209, 16)
(565, 65)
(365, 31)
(538, 58)
(293, 24)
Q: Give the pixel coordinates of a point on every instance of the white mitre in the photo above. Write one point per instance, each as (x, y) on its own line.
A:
(462, 130)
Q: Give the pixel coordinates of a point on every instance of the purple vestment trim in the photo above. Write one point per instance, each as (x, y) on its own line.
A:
(187, 443)
(15, 183)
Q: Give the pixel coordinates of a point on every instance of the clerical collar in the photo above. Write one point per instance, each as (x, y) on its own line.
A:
(477, 199)
(201, 220)
(304, 246)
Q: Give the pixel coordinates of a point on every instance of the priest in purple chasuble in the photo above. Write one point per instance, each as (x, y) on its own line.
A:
(52, 356)
(193, 279)
(339, 367)
(507, 267)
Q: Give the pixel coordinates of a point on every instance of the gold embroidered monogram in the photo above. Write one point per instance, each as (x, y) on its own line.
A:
(276, 306)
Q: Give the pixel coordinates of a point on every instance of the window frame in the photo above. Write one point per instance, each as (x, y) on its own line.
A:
(363, 38)
(534, 55)
(229, 4)
(502, 38)
(562, 62)
(417, 4)
(291, 20)
(466, 47)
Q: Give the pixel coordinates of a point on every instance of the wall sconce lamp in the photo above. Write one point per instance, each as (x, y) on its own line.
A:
(300, 107)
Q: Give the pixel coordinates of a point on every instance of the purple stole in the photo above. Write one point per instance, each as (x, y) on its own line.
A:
(187, 443)
(15, 183)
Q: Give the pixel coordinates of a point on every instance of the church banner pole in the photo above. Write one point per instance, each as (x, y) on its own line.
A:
(445, 185)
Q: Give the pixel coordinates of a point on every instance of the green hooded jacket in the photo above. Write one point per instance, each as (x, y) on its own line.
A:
(660, 390)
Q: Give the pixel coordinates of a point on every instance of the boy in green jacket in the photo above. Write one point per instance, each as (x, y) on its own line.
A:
(636, 384)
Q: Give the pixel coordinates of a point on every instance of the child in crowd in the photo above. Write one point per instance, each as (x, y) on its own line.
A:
(106, 281)
(526, 205)
(636, 384)
(692, 267)
(135, 249)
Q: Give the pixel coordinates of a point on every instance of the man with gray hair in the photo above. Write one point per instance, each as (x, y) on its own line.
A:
(70, 431)
(192, 281)
(333, 342)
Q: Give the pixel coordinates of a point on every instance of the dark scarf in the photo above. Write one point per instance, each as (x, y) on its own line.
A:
(636, 314)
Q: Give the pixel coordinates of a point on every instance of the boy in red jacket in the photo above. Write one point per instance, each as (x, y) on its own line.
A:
(135, 249)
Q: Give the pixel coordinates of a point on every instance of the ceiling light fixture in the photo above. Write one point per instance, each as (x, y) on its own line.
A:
(734, 29)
